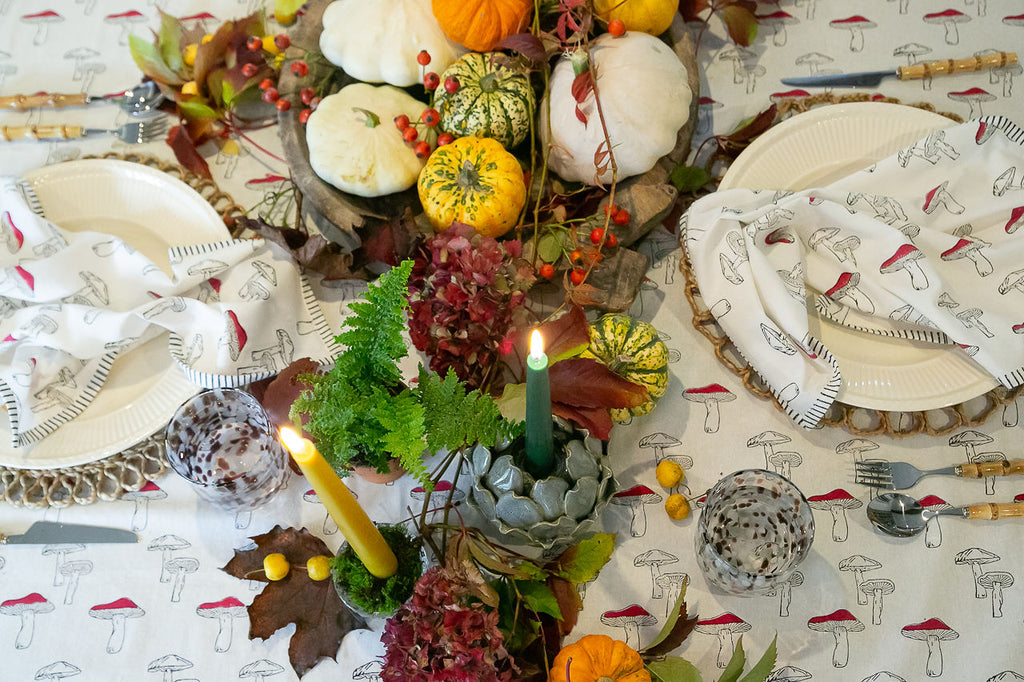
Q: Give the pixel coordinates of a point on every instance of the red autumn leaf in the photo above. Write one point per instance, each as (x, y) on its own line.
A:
(680, 631)
(738, 140)
(526, 44)
(585, 382)
(741, 22)
(186, 153)
(567, 335)
(311, 251)
(321, 620)
(582, 87)
(569, 603)
(691, 8)
(596, 420)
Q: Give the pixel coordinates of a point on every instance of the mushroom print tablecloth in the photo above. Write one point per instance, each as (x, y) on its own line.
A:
(862, 608)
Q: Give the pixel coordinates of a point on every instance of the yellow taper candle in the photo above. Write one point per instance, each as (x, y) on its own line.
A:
(363, 537)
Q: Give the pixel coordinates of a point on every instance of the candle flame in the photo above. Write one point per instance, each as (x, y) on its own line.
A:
(536, 344)
(291, 440)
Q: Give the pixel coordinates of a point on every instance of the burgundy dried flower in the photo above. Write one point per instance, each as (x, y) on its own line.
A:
(465, 291)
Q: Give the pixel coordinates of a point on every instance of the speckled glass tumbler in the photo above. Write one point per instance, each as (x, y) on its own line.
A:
(755, 529)
(223, 443)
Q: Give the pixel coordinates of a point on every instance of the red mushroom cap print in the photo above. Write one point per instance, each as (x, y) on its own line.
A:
(635, 498)
(13, 237)
(125, 20)
(855, 25)
(778, 22)
(26, 608)
(42, 21)
(906, 258)
(629, 619)
(235, 336)
(967, 248)
(846, 286)
(948, 18)
(839, 623)
(223, 610)
(932, 631)
(723, 627)
(836, 502)
(710, 396)
(974, 97)
(1015, 221)
(116, 612)
(27, 281)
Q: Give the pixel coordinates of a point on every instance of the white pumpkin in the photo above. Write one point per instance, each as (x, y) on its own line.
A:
(349, 152)
(645, 96)
(377, 40)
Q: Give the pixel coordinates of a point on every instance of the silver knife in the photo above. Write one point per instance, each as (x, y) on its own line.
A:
(946, 67)
(50, 533)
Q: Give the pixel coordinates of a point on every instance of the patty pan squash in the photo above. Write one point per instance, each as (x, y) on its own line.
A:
(353, 143)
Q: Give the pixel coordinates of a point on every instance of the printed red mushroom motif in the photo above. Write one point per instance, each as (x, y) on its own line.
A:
(42, 21)
(723, 627)
(971, 250)
(1015, 221)
(949, 19)
(933, 632)
(856, 25)
(847, 286)
(141, 498)
(932, 529)
(905, 258)
(125, 21)
(836, 502)
(234, 336)
(974, 98)
(168, 665)
(26, 609)
(635, 498)
(13, 237)
(839, 624)
(629, 619)
(777, 21)
(223, 611)
(976, 557)
(117, 612)
(985, 131)
(940, 196)
(710, 396)
(437, 498)
(858, 564)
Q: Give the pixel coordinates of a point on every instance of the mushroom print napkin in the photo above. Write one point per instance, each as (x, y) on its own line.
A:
(71, 302)
(927, 244)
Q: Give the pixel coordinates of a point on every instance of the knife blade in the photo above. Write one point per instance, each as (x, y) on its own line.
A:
(50, 533)
(916, 72)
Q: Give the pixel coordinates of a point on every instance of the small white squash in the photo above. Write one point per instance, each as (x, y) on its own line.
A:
(354, 145)
(645, 96)
(377, 40)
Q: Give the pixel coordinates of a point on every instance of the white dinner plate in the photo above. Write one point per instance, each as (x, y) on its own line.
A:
(814, 149)
(151, 211)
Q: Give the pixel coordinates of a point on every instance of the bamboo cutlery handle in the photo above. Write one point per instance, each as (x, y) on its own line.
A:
(950, 66)
(983, 469)
(43, 99)
(996, 510)
(41, 132)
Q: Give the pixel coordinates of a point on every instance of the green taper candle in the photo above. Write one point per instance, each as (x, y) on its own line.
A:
(540, 443)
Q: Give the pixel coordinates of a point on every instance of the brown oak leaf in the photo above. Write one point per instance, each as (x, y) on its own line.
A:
(321, 620)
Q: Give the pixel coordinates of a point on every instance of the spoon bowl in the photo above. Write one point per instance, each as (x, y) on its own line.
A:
(902, 516)
(140, 100)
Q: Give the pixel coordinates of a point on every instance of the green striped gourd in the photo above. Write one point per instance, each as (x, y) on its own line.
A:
(631, 348)
(492, 100)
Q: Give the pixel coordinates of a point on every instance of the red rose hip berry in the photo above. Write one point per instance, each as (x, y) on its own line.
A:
(547, 271)
(283, 105)
(616, 27)
(300, 68)
(431, 81)
(451, 84)
(430, 117)
(249, 70)
(422, 149)
(401, 121)
(282, 41)
(270, 95)
(621, 217)
(410, 134)
(445, 138)
(423, 58)
(577, 276)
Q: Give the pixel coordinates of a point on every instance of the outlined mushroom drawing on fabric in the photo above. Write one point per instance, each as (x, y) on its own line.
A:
(117, 612)
(839, 624)
(26, 609)
(932, 632)
(837, 502)
(223, 611)
(723, 627)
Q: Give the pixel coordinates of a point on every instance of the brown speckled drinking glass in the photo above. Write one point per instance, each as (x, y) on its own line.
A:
(223, 443)
(755, 529)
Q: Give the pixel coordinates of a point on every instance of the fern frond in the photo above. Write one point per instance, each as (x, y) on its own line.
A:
(455, 418)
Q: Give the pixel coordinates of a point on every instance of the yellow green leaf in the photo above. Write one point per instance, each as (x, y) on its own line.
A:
(196, 108)
(148, 58)
(539, 598)
(674, 669)
(168, 41)
(741, 23)
(582, 562)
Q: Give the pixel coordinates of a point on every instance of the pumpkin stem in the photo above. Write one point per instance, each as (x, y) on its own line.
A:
(489, 83)
(372, 119)
(469, 176)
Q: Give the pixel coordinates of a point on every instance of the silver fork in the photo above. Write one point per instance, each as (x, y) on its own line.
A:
(130, 133)
(900, 475)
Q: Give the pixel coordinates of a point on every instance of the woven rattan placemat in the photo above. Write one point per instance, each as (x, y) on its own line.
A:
(858, 420)
(129, 470)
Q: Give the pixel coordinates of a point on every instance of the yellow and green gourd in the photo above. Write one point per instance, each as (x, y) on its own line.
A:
(631, 348)
(474, 181)
(492, 100)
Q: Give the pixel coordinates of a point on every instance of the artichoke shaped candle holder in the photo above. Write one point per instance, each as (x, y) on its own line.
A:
(553, 512)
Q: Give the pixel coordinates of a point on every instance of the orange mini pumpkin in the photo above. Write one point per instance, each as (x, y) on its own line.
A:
(598, 657)
(481, 24)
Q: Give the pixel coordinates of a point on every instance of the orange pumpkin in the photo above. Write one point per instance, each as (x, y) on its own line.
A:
(598, 658)
(481, 24)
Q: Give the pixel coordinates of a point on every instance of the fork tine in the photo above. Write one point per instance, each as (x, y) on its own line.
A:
(872, 466)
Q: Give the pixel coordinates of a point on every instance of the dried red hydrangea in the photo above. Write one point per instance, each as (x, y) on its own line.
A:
(465, 291)
(439, 634)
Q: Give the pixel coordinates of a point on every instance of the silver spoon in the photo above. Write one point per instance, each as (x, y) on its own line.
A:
(902, 516)
(138, 101)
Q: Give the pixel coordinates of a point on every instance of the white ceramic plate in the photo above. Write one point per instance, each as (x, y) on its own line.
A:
(151, 211)
(814, 149)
